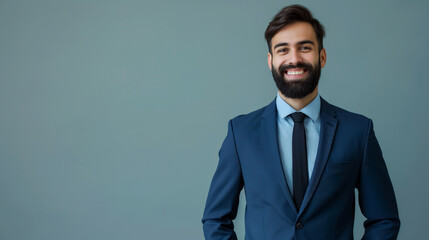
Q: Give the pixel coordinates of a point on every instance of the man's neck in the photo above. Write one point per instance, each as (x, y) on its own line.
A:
(299, 103)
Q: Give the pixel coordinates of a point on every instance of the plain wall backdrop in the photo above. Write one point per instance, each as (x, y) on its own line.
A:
(112, 112)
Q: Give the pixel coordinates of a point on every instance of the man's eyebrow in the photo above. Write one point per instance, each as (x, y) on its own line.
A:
(281, 45)
(306, 41)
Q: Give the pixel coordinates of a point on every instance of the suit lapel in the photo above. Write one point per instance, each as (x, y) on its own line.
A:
(269, 124)
(327, 133)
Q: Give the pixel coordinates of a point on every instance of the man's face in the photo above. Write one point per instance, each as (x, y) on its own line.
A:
(295, 61)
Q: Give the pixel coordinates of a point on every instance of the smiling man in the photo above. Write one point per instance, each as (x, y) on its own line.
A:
(300, 159)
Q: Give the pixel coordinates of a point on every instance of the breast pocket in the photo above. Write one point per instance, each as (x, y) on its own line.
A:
(341, 167)
(340, 177)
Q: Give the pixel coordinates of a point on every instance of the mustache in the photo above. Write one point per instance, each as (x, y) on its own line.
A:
(285, 67)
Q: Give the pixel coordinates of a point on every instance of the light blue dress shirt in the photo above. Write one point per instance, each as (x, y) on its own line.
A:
(284, 133)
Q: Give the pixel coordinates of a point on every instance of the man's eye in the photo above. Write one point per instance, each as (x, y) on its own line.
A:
(283, 50)
(305, 48)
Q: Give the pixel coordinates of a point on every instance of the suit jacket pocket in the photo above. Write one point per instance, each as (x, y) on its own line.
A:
(341, 167)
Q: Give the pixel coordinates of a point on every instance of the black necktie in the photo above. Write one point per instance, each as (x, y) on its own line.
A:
(299, 159)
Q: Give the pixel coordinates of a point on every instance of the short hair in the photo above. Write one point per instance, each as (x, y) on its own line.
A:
(292, 14)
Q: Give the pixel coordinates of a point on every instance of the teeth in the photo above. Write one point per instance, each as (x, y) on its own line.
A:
(295, 72)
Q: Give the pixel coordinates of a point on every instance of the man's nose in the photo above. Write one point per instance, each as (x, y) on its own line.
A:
(294, 58)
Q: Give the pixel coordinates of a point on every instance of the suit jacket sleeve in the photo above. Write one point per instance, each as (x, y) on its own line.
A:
(376, 196)
(222, 201)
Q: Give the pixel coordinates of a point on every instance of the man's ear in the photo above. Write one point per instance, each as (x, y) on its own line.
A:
(322, 57)
(269, 61)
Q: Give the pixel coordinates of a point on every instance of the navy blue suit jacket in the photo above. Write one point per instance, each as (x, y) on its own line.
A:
(348, 158)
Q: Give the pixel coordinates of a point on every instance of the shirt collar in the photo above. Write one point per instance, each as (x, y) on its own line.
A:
(312, 110)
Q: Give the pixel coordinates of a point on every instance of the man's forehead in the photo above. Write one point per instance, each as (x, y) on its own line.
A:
(294, 33)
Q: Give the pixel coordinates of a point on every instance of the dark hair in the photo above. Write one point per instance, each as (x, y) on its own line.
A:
(291, 14)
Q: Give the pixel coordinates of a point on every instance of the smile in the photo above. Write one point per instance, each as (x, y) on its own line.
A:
(294, 72)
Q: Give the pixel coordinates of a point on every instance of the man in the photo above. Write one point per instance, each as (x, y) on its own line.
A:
(300, 158)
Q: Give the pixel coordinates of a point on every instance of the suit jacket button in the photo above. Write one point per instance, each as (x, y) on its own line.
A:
(299, 225)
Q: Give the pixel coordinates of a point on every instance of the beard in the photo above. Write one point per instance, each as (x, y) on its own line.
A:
(297, 88)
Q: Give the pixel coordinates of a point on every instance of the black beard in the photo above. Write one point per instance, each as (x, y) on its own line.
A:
(297, 88)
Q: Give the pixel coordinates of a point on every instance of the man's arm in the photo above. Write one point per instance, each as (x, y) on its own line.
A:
(376, 196)
(222, 201)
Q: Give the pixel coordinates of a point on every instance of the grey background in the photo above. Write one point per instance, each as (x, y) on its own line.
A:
(112, 112)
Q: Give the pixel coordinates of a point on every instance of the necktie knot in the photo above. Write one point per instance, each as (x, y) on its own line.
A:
(298, 117)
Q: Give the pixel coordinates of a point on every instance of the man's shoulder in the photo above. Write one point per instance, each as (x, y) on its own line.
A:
(345, 116)
(254, 117)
